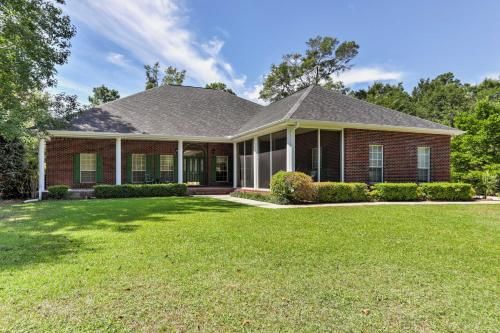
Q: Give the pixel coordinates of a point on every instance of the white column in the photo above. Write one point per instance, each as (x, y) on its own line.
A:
(41, 168)
(235, 165)
(180, 161)
(255, 162)
(319, 155)
(118, 161)
(342, 156)
(290, 149)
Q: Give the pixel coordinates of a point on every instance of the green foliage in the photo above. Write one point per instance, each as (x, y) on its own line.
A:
(265, 197)
(448, 191)
(219, 86)
(103, 94)
(35, 38)
(390, 96)
(292, 187)
(484, 182)
(441, 99)
(152, 73)
(141, 190)
(396, 192)
(479, 147)
(173, 76)
(324, 57)
(17, 173)
(342, 192)
(58, 191)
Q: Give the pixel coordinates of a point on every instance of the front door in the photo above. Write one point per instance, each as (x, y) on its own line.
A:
(194, 170)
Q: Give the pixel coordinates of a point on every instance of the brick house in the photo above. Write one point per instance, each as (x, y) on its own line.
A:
(207, 137)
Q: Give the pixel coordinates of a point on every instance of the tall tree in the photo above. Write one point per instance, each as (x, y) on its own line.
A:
(34, 38)
(219, 86)
(173, 76)
(152, 73)
(441, 98)
(479, 147)
(103, 94)
(323, 57)
(391, 96)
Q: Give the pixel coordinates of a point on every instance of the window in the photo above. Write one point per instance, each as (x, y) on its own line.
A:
(424, 164)
(138, 168)
(87, 168)
(376, 164)
(221, 168)
(167, 168)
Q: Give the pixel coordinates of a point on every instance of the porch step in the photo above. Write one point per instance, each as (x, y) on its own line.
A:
(209, 190)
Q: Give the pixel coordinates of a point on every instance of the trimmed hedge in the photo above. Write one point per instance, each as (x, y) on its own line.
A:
(292, 187)
(448, 191)
(58, 191)
(267, 197)
(396, 192)
(139, 190)
(342, 192)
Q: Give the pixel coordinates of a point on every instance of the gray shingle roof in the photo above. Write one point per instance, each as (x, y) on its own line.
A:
(191, 111)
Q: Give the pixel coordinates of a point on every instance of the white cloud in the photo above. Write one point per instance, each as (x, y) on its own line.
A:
(155, 30)
(367, 74)
(252, 94)
(492, 75)
(117, 59)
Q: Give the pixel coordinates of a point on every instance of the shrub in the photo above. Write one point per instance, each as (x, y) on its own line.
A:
(448, 191)
(483, 182)
(139, 190)
(396, 192)
(58, 191)
(266, 197)
(342, 192)
(292, 187)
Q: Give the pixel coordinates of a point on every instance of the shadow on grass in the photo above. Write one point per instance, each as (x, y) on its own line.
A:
(42, 232)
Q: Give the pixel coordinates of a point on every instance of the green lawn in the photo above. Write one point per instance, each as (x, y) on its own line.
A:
(189, 264)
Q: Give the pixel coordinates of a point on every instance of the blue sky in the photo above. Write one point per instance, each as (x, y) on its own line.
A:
(237, 41)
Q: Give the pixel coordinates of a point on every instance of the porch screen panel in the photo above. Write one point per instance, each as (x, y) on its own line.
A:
(330, 155)
(306, 152)
(241, 159)
(264, 161)
(278, 151)
(249, 163)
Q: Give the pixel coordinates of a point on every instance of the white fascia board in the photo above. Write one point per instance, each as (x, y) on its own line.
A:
(373, 127)
(263, 130)
(133, 136)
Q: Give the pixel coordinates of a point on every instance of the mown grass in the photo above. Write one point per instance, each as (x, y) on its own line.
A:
(197, 264)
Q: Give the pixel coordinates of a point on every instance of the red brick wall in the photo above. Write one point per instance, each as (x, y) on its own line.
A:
(144, 147)
(59, 159)
(400, 155)
(60, 152)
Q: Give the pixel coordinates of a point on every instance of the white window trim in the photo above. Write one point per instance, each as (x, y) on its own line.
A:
(133, 170)
(172, 165)
(95, 168)
(429, 167)
(382, 167)
(227, 169)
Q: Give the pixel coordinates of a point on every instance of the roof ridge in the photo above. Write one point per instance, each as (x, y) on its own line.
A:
(294, 108)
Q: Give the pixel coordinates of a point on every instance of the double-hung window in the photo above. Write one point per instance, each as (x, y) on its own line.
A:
(376, 164)
(424, 164)
(88, 168)
(138, 168)
(221, 169)
(167, 168)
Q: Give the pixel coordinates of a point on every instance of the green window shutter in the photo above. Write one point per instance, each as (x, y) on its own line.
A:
(129, 168)
(99, 169)
(76, 169)
(176, 179)
(157, 168)
(150, 167)
(212, 169)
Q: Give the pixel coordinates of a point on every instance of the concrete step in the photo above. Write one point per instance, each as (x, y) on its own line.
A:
(209, 190)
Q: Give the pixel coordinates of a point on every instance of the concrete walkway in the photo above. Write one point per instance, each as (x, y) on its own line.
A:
(269, 205)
